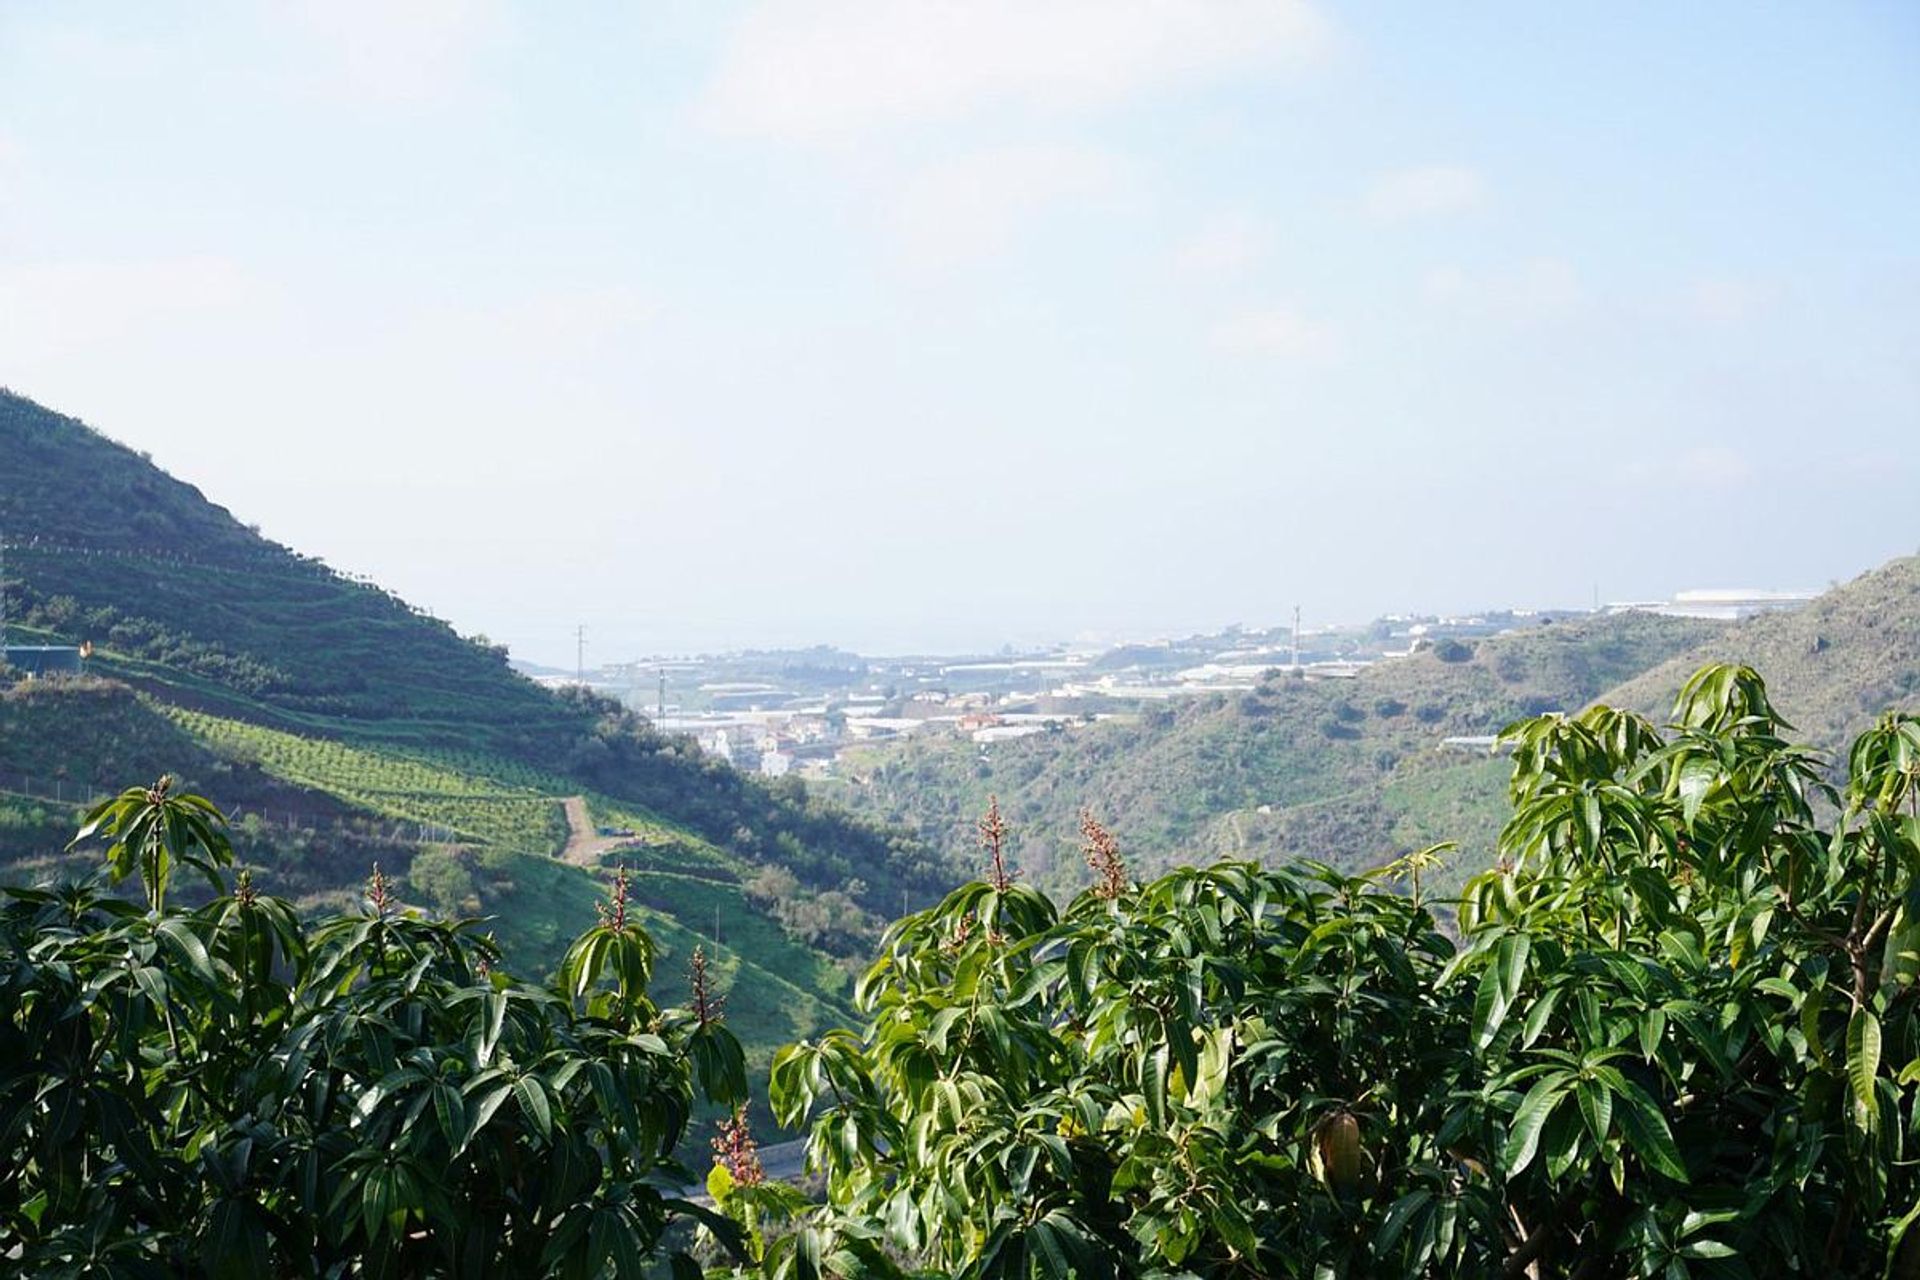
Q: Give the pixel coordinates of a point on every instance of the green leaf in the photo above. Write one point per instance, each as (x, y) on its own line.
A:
(1514, 950)
(1697, 777)
(1596, 1106)
(496, 1017)
(1538, 1016)
(1399, 1216)
(1652, 1029)
(1644, 1126)
(1489, 1007)
(450, 1109)
(1156, 1070)
(533, 1104)
(1810, 1025)
(183, 940)
(1523, 1134)
(1863, 1067)
(483, 1113)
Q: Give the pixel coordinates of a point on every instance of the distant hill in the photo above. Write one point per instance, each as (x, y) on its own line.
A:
(1353, 772)
(346, 727)
(1329, 769)
(1832, 666)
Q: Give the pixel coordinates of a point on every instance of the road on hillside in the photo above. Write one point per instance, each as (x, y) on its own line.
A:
(585, 845)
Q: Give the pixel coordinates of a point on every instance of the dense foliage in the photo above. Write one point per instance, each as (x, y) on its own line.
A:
(312, 814)
(232, 1091)
(1673, 1035)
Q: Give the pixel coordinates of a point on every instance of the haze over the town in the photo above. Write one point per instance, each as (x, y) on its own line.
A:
(933, 326)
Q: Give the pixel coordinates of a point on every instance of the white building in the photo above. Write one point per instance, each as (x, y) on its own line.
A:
(1007, 732)
(1719, 604)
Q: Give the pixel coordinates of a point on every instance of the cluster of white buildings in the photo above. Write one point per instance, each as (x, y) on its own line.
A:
(804, 723)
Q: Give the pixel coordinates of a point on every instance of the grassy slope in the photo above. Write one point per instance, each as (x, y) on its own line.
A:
(185, 602)
(338, 721)
(1831, 666)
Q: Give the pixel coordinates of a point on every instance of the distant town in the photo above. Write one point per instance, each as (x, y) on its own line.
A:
(809, 711)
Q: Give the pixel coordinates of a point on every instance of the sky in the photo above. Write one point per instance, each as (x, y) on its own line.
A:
(913, 325)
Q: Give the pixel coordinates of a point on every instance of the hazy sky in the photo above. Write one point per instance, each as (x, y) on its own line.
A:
(901, 324)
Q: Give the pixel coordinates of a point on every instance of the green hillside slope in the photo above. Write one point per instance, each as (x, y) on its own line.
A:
(343, 727)
(1339, 770)
(1832, 666)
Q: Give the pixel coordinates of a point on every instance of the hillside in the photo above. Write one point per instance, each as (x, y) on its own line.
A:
(342, 727)
(103, 544)
(1832, 666)
(1339, 770)
(1351, 772)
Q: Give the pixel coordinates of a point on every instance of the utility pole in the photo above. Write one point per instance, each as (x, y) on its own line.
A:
(580, 653)
(1296, 635)
(661, 709)
(3, 599)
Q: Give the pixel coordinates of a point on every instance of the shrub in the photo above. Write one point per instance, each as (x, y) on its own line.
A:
(232, 1091)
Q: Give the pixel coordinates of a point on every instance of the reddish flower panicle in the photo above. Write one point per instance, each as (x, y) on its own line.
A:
(708, 1006)
(613, 912)
(380, 892)
(1103, 856)
(993, 838)
(737, 1152)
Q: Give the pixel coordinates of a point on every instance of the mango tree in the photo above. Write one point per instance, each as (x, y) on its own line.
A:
(232, 1090)
(1670, 1033)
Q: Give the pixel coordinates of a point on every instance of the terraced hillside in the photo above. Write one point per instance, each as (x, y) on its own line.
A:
(343, 727)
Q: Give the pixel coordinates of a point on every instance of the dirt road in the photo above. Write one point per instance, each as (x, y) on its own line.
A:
(585, 845)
